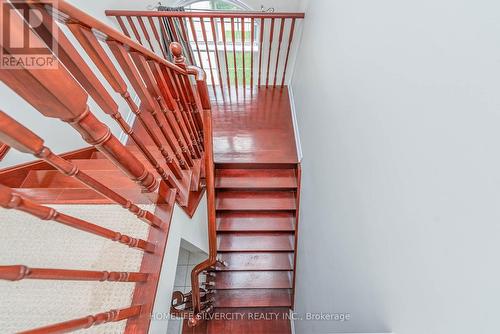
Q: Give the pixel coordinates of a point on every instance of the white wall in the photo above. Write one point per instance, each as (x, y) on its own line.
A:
(192, 234)
(399, 112)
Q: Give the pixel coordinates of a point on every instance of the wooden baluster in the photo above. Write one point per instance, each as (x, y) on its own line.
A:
(252, 37)
(158, 106)
(214, 36)
(4, 149)
(24, 140)
(271, 36)
(193, 32)
(11, 200)
(261, 42)
(210, 186)
(178, 110)
(166, 98)
(186, 38)
(20, 272)
(173, 28)
(184, 110)
(204, 34)
(100, 58)
(193, 113)
(89, 321)
(185, 84)
(243, 52)
(279, 49)
(78, 67)
(122, 26)
(134, 29)
(161, 22)
(189, 111)
(54, 93)
(290, 39)
(157, 36)
(145, 32)
(234, 57)
(148, 104)
(225, 55)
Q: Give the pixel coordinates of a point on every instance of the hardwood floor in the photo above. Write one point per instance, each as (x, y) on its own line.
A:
(257, 183)
(256, 128)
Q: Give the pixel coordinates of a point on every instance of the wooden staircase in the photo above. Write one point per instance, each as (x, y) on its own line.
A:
(256, 212)
(47, 185)
(184, 142)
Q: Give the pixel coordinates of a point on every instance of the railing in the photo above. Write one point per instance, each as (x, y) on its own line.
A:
(237, 50)
(4, 149)
(170, 110)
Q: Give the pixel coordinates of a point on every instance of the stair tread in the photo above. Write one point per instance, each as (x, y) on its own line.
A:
(256, 261)
(255, 221)
(255, 178)
(253, 298)
(255, 200)
(83, 196)
(255, 241)
(253, 280)
(55, 179)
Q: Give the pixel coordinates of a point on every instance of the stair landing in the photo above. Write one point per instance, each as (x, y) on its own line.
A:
(255, 127)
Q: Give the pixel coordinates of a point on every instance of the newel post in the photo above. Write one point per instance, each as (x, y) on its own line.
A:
(179, 59)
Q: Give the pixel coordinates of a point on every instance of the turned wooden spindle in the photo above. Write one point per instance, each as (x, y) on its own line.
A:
(11, 200)
(185, 87)
(26, 141)
(55, 93)
(147, 102)
(88, 321)
(71, 58)
(173, 100)
(159, 106)
(185, 113)
(20, 272)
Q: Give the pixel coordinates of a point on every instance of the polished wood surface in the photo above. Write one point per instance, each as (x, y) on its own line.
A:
(15, 175)
(253, 280)
(255, 200)
(249, 261)
(253, 298)
(256, 216)
(269, 321)
(244, 221)
(257, 178)
(166, 162)
(251, 241)
(235, 33)
(24, 140)
(255, 129)
(4, 149)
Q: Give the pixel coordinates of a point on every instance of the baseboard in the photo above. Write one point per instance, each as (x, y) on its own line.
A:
(295, 123)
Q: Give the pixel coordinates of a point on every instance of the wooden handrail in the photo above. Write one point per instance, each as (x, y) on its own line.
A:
(20, 272)
(205, 31)
(89, 321)
(47, 91)
(4, 149)
(24, 140)
(67, 13)
(10, 200)
(235, 14)
(176, 110)
(204, 101)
